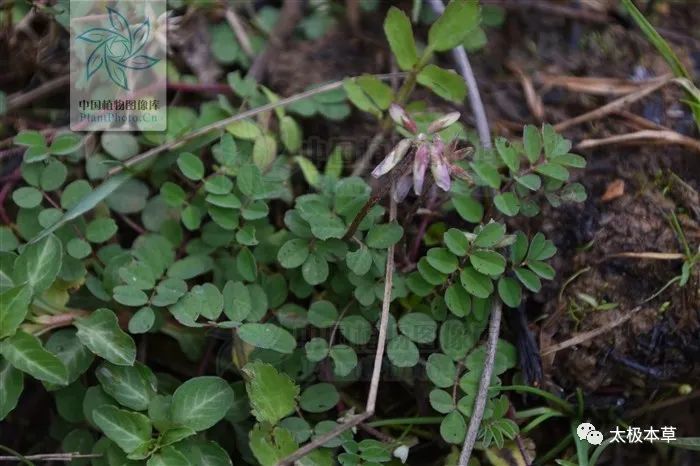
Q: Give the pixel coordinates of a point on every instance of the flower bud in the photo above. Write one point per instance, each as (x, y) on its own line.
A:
(392, 159)
(400, 117)
(438, 166)
(443, 122)
(401, 189)
(420, 164)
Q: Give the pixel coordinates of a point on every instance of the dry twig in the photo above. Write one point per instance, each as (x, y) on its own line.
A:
(659, 256)
(585, 336)
(240, 32)
(613, 106)
(534, 101)
(595, 85)
(50, 457)
(217, 125)
(644, 136)
(21, 99)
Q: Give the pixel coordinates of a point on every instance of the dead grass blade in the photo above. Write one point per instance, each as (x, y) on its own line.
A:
(658, 256)
(585, 336)
(596, 85)
(534, 101)
(644, 136)
(613, 106)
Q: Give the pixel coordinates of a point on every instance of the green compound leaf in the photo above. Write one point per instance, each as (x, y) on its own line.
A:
(453, 26)
(441, 401)
(201, 402)
(25, 352)
(238, 302)
(445, 83)
(322, 314)
(488, 262)
(268, 336)
(356, 329)
(11, 386)
(316, 349)
(293, 253)
(127, 429)
(74, 355)
(419, 327)
(100, 332)
(384, 235)
(132, 386)
(359, 261)
(272, 394)
(315, 269)
(441, 370)
(319, 398)
(453, 428)
(39, 263)
(15, 302)
(510, 291)
(507, 203)
(458, 300)
(402, 352)
(399, 33)
(344, 359)
(442, 260)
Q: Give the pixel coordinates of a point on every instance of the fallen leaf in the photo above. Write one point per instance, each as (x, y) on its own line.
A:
(614, 190)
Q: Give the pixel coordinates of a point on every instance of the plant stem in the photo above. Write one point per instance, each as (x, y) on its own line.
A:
(376, 371)
(564, 406)
(482, 394)
(385, 125)
(420, 420)
(378, 193)
(384, 320)
(217, 125)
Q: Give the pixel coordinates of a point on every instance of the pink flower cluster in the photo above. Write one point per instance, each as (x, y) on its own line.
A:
(428, 149)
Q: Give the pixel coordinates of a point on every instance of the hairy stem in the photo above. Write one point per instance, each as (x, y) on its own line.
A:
(482, 394)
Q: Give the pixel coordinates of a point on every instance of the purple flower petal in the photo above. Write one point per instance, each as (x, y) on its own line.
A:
(420, 164)
(400, 117)
(403, 186)
(394, 157)
(443, 122)
(438, 166)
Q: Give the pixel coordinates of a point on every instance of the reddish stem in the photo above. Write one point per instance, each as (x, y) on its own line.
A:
(415, 247)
